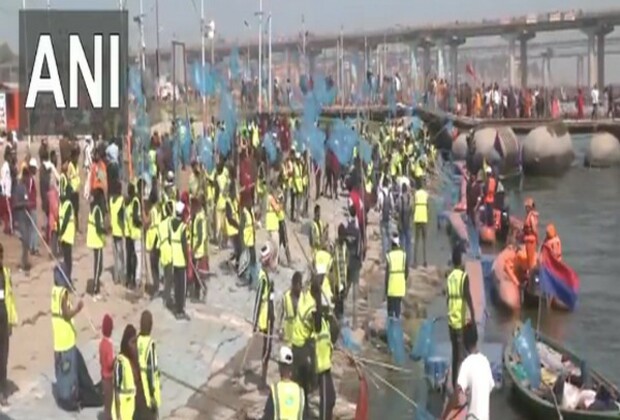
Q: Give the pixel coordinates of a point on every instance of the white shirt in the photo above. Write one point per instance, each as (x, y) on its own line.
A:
(5, 179)
(594, 95)
(476, 380)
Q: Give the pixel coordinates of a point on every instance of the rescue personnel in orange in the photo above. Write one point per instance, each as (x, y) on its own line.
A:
(553, 242)
(516, 264)
(530, 232)
(489, 196)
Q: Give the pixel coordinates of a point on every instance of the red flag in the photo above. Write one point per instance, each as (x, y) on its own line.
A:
(361, 410)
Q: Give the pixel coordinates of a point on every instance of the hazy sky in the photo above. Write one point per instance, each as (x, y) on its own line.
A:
(180, 19)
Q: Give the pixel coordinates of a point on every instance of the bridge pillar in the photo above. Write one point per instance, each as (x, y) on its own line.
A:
(441, 59)
(591, 34)
(580, 78)
(312, 56)
(600, 55)
(413, 64)
(454, 43)
(427, 64)
(524, 37)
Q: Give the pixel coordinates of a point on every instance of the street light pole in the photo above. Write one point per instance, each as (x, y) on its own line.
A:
(203, 60)
(270, 83)
(260, 56)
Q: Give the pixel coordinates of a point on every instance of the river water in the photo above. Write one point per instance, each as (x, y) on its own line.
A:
(584, 205)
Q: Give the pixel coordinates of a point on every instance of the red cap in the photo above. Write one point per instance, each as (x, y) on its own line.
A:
(107, 325)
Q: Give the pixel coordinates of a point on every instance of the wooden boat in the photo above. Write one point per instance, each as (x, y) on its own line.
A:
(536, 406)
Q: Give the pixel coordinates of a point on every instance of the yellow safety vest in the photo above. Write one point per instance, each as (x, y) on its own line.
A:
(133, 232)
(255, 137)
(456, 304)
(63, 330)
(66, 210)
(420, 213)
(248, 228)
(397, 266)
(126, 392)
(9, 299)
(301, 330)
(263, 309)
(230, 229)
(222, 182)
(116, 206)
(288, 400)
(271, 219)
(297, 178)
(94, 240)
(323, 348)
(290, 312)
(199, 225)
(317, 232)
(151, 233)
(74, 177)
(210, 188)
(146, 348)
(165, 250)
(178, 256)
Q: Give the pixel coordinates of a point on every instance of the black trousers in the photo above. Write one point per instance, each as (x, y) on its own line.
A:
(283, 240)
(132, 261)
(293, 199)
(393, 306)
(303, 366)
(180, 288)
(327, 395)
(168, 274)
(154, 261)
(89, 393)
(458, 352)
(4, 348)
(236, 240)
(267, 341)
(75, 202)
(67, 256)
(97, 270)
(420, 235)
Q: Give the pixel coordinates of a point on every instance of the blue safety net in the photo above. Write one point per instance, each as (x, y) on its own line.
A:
(524, 343)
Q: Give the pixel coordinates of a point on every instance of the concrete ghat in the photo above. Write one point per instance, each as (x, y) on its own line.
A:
(191, 352)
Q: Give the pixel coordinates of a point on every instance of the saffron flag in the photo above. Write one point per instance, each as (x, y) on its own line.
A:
(557, 279)
(497, 145)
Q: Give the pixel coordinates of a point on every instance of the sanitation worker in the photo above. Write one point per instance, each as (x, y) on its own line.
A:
(420, 221)
(149, 368)
(459, 299)
(95, 237)
(178, 246)
(286, 399)
(264, 310)
(8, 319)
(290, 303)
(395, 278)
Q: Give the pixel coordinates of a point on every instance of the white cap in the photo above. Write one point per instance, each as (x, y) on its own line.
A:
(321, 269)
(286, 355)
(395, 239)
(179, 207)
(170, 175)
(33, 163)
(488, 170)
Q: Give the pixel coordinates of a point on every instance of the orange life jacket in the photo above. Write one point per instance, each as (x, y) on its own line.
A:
(529, 232)
(497, 219)
(489, 198)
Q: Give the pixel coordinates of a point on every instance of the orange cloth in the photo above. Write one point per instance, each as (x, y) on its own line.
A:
(530, 227)
(98, 176)
(489, 198)
(532, 256)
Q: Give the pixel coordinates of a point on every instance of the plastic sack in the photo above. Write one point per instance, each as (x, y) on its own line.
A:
(348, 341)
(396, 342)
(424, 345)
(525, 345)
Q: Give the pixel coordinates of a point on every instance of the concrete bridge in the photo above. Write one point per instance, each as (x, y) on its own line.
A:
(517, 31)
